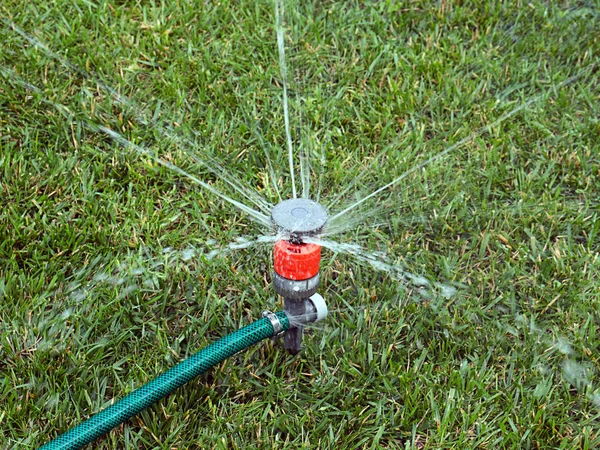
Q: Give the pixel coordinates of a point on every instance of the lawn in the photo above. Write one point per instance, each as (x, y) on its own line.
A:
(463, 297)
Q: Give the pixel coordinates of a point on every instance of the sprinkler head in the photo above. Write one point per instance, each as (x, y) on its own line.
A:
(296, 262)
(298, 218)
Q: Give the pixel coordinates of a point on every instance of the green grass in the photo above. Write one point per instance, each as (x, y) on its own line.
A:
(94, 304)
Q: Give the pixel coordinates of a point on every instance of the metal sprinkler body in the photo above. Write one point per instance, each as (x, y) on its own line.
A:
(297, 264)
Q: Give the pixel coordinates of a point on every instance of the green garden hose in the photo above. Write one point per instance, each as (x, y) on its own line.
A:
(166, 383)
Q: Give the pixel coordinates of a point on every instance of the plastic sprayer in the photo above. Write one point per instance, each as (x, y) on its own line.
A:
(296, 278)
(297, 264)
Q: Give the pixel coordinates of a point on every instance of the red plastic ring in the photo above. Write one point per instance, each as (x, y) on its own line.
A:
(296, 261)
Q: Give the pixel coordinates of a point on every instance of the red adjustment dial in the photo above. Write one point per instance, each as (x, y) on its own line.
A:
(296, 261)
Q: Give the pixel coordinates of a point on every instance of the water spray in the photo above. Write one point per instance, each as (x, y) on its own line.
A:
(297, 263)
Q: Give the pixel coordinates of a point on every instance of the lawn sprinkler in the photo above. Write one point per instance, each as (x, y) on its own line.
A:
(296, 265)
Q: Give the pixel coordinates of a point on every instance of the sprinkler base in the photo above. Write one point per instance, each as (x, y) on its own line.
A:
(292, 339)
(300, 312)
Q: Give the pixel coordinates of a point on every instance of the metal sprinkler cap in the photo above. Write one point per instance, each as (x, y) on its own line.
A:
(298, 218)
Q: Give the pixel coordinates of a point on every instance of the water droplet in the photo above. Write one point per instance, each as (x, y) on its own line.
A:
(128, 290)
(447, 291)
(210, 255)
(188, 254)
(102, 276)
(79, 295)
(576, 374)
(564, 346)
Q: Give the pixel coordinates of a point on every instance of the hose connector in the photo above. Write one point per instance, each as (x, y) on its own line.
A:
(315, 310)
(277, 327)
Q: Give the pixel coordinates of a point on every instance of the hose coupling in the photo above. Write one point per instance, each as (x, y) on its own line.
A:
(277, 327)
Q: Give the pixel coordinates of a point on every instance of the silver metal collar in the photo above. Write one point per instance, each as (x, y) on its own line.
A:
(277, 327)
